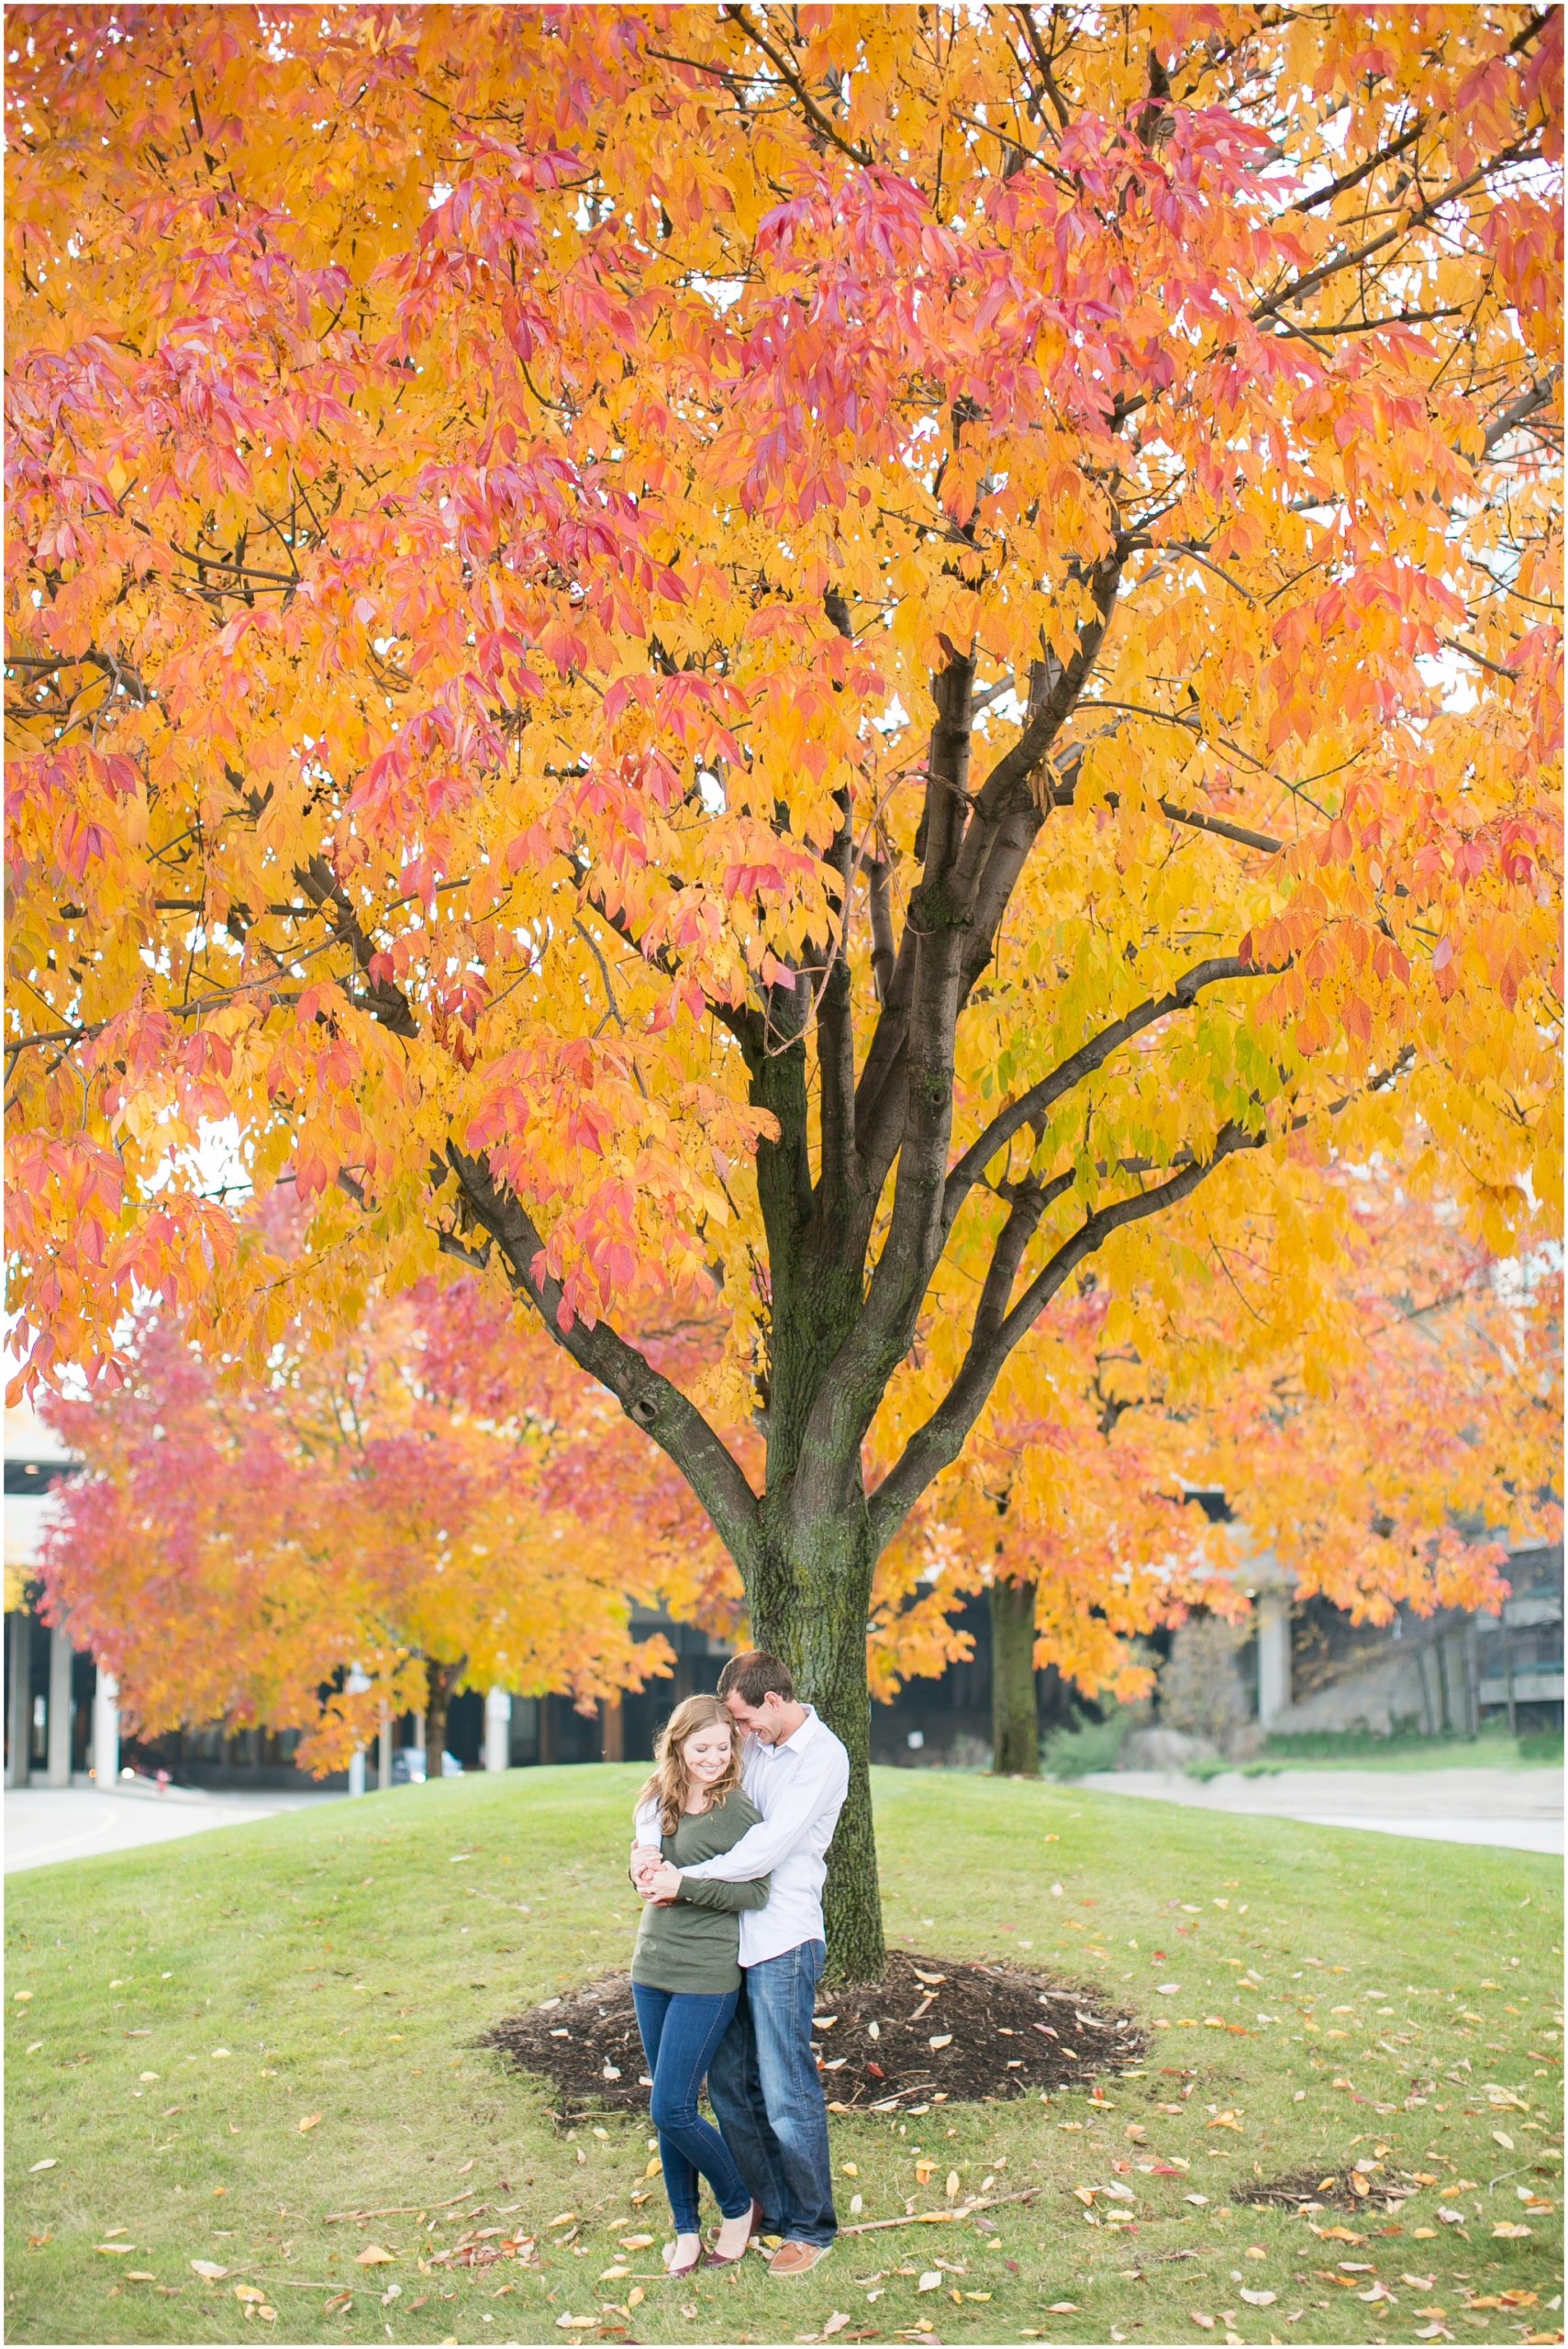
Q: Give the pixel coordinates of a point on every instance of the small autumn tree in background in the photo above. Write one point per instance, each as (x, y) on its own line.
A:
(877, 654)
(385, 1502)
(1380, 1444)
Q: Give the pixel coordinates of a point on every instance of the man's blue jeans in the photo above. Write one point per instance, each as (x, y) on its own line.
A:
(680, 2031)
(767, 2095)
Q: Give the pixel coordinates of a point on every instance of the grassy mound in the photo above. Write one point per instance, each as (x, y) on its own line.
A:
(258, 2050)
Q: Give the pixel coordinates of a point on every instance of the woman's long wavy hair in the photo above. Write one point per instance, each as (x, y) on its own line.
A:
(670, 1782)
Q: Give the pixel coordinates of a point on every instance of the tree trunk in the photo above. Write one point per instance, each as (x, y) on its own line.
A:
(442, 1679)
(1015, 1724)
(809, 1595)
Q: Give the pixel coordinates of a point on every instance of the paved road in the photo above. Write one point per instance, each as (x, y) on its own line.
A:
(45, 1823)
(1519, 1810)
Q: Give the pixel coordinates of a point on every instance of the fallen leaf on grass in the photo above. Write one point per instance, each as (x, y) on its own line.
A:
(930, 2282)
(1198, 2317)
(249, 2292)
(130, 2246)
(309, 2120)
(1501, 2137)
(1063, 2308)
(835, 2323)
(50, 2162)
(570, 2323)
(210, 2270)
(373, 2255)
(1259, 2299)
(1509, 2232)
(635, 2242)
(338, 2303)
(636, 2296)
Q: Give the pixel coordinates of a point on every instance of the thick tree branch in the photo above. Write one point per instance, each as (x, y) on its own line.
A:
(387, 1001)
(646, 1397)
(836, 1042)
(1312, 279)
(1538, 396)
(937, 1445)
(1032, 1106)
(1006, 816)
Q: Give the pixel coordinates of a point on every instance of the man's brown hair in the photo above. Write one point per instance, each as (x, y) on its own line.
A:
(753, 1675)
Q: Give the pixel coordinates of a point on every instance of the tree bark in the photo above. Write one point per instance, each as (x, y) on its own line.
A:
(1015, 1722)
(809, 1593)
(442, 1678)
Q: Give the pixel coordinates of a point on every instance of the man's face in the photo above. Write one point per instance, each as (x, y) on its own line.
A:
(764, 1721)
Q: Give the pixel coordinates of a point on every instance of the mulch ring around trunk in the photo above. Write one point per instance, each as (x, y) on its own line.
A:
(932, 2031)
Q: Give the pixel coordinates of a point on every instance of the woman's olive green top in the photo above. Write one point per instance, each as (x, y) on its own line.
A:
(693, 1944)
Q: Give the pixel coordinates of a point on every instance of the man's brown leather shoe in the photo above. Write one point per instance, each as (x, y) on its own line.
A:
(797, 2258)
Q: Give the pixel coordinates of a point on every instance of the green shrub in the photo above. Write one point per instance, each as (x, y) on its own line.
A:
(1086, 1745)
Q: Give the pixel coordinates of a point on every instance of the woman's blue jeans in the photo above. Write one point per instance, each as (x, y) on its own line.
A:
(680, 2031)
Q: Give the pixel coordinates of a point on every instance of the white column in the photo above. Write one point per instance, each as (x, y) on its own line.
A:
(384, 1749)
(497, 1729)
(1272, 1608)
(19, 1638)
(106, 1731)
(57, 1770)
(358, 1683)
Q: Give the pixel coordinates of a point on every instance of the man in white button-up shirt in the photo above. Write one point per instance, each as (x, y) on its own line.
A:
(763, 2079)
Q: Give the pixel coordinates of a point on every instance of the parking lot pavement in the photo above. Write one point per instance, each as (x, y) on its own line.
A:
(47, 1823)
(1518, 1811)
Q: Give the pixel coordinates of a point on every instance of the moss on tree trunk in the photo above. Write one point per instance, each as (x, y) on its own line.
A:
(809, 1596)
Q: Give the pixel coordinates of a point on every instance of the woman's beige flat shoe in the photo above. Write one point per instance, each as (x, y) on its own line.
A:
(753, 2228)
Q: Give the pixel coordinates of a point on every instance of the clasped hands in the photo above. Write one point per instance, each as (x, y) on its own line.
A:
(652, 1875)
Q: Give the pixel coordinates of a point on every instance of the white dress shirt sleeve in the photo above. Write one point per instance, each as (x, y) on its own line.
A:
(645, 1824)
(815, 1793)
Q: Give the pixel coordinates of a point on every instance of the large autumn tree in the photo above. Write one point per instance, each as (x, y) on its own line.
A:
(869, 652)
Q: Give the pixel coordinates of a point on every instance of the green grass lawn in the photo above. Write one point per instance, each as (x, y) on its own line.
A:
(217, 2045)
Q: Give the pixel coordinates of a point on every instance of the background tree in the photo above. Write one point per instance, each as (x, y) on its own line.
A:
(857, 649)
(386, 1501)
(1384, 1450)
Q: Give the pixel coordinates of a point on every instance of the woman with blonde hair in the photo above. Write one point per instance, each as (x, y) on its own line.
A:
(686, 1972)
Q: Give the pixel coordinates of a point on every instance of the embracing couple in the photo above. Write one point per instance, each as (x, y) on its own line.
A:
(732, 1833)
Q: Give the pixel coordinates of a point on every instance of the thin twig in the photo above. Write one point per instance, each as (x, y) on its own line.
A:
(403, 2210)
(942, 2218)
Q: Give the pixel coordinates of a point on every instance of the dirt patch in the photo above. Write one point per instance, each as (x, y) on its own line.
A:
(1326, 2190)
(932, 2031)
